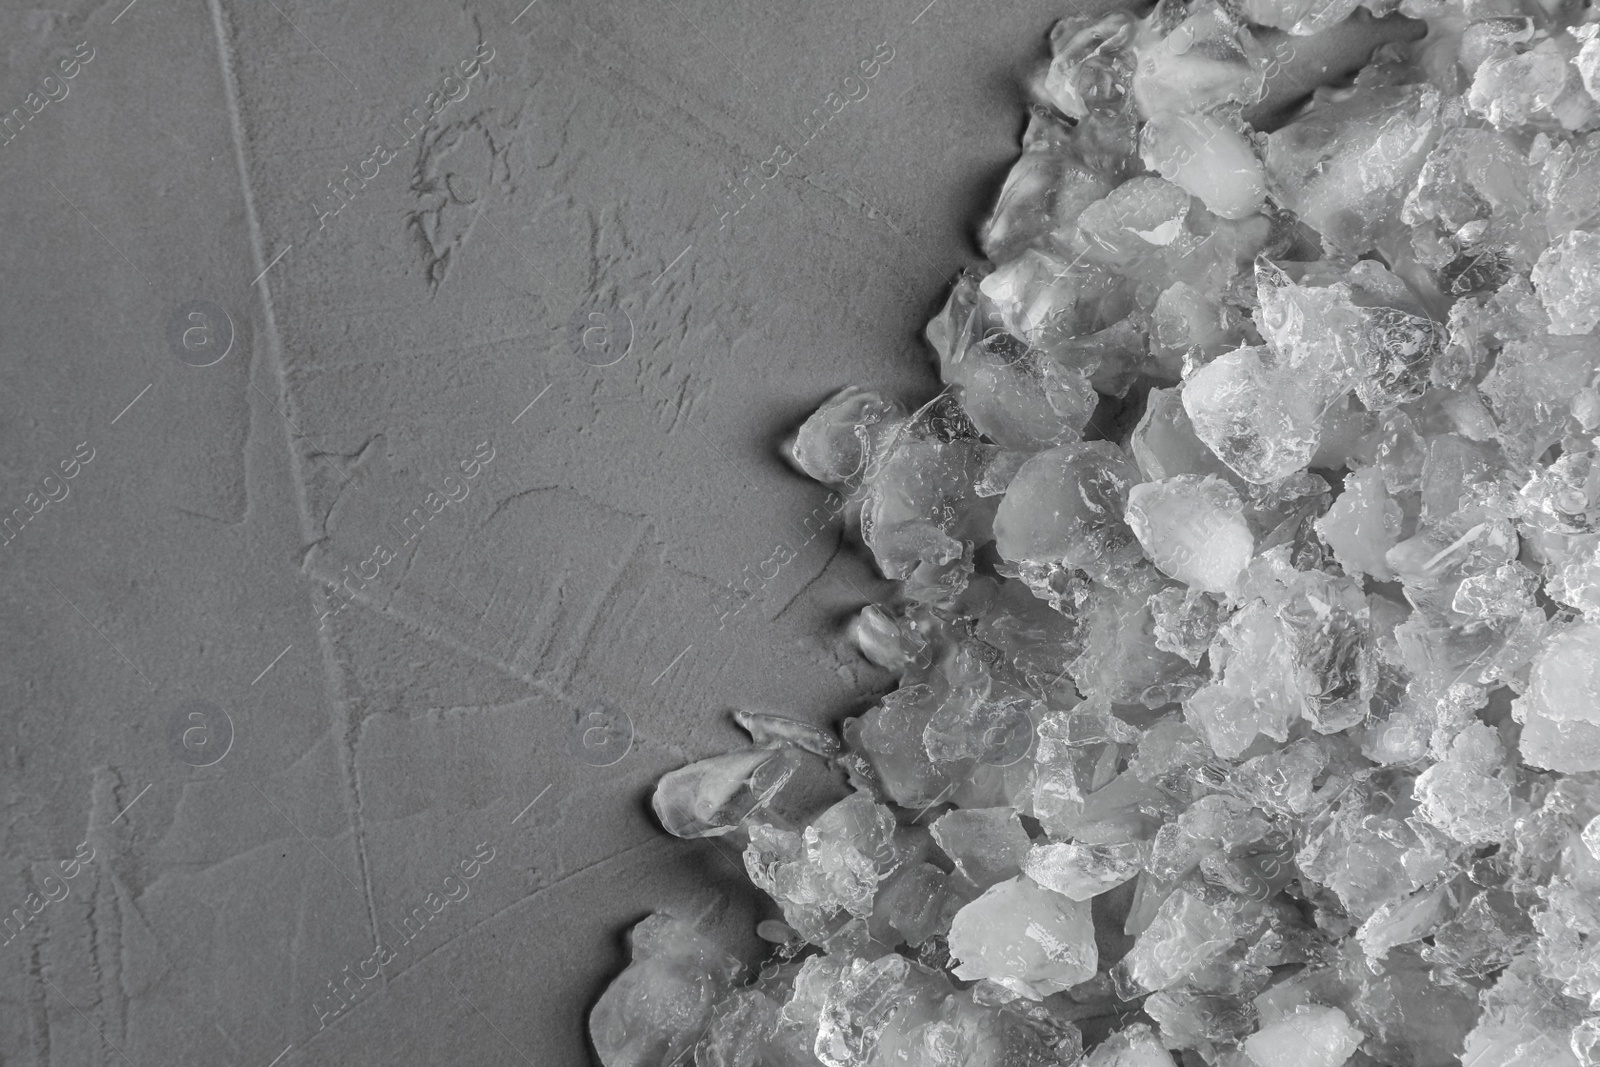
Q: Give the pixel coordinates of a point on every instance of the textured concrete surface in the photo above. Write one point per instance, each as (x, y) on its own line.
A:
(519, 389)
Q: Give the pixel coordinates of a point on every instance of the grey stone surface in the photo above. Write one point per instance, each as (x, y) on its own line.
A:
(269, 787)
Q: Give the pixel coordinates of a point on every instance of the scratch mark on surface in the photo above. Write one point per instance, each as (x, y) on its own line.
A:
(531, 803)
(671, 665)
(274, 346)
(798, 593)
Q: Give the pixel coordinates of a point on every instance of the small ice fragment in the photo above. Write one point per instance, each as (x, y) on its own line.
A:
(777, 731)
(837, 443)
(1186, 934)
(716, 796)
(1193, 529)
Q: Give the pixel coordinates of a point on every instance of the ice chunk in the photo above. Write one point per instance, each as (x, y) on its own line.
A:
(1567, 277)
(1207, 158)
(1193, 529)
(1561, 708)
(1186, 934)
(1045, 191)
(1539, 86)
(1065, 508)
(988, 845)
(1082, 871)
(1026, 938)
(919, 505)
(1164, 443)
(1185, 621)
(1254, 415)
(722, 794)
(840, 441)
(834, 865)
(893, 644)
(655, 1010)
(1345, 165)
(874, 1002)
(1134, 1046)
(1363, 525)
(1310, 1036)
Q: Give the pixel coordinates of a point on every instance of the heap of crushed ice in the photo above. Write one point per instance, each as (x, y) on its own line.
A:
(1249, 625)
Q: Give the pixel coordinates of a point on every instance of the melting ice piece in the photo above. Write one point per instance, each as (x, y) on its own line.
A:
(839, 441)
(1193, 529)
(1310, 1036)
(1083, 871)
(1025, 938)
(655, 1011)
(718, 795)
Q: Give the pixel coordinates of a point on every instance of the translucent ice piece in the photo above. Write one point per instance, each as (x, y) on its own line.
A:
(1345, 165)
(1567, 277)
(655, 1010)
(840, 441)
(1082, 871)
(1311, 1036)
(717, 796)
(1193, 529)
(1045, 191)
(1254, 416)
(1065, 508)
(1539, 86)
(918, 506)
(1187, 934)
(1363, 525)
(1561, 708)
(1165, 445)
(988, 845)
(1026, 938)
(868, 1001)
(1207, 158)
(1133, 1046)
